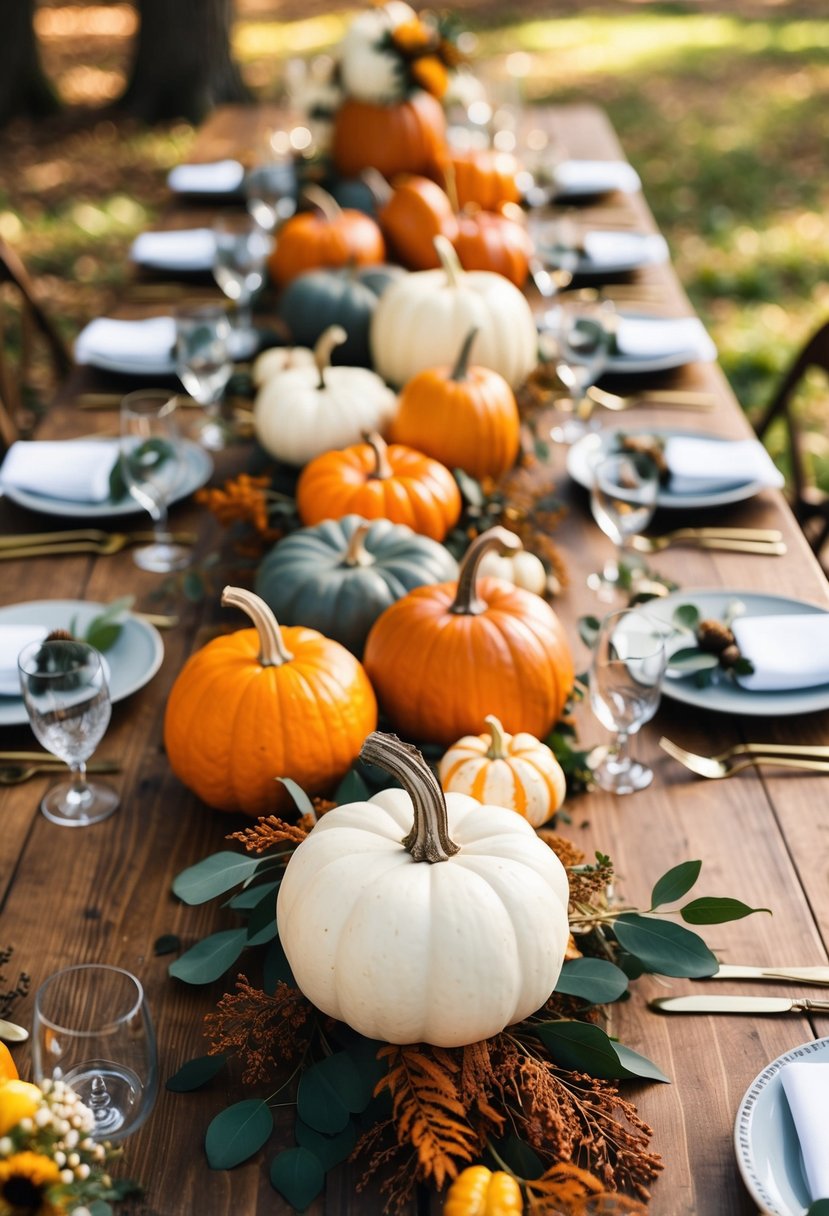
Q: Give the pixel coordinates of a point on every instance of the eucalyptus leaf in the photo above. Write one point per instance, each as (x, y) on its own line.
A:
(675, 883)
(237, 1133)
(263, 916)
(329, 1093)
(301, 800)
(276, 968)
(195, 1073)
(250, 897)
(352, 788)
(102, 635)
(213, 876)
(469, 488)
(522, 1160)
(819, 1208)
(168, 943)
(583, 1047)
(743, 667)
(639, 1065)
(193, 587)
(589, 627)
(209, 958)
(592, 979)
(686, 616)
(329, 1150)
(298, 1175)
(99, 1207)
(713, 910)
(691, 660)
(663, 947)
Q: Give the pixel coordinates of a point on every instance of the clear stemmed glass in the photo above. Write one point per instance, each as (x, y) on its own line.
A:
(92, 1030)
(625, 679)
(242, 248)
(65, 692)
(204, 365)
(623, 499)
(270, 186)
(152, 467)
(577, 336)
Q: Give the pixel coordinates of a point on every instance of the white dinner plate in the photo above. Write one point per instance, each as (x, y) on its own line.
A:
(765, 1140)
(726, 696)
(197, 471)
(636, 250)
(133, 660)
(702, 350)
(591, 447)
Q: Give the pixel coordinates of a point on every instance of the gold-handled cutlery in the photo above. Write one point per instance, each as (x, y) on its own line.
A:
(669, 398)
(735, 540)
(744, 756)
(48, 758)
(817, 975)
(16, 774)
(737, 1004)
(112, 401)
(91, 540)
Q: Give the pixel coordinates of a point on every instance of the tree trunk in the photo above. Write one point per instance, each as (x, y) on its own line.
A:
(183, 65)
(23, 87)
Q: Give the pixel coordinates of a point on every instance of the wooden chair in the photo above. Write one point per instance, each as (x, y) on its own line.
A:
(809, 503)
(33, 320)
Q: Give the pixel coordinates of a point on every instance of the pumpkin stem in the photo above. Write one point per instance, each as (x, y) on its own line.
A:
(461, 369)
(330, 338)
(356, 554)
(450, 185)
(449, 260)
(272, 649)
(324, 201)
(497, 749)
(429, 838)
(382, 466)
(378, 187)
(467, 601)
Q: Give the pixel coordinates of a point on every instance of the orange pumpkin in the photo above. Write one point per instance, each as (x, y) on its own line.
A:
(445, 656)
(328, 236)
(8, 1070)
(264, 703)
(408, 137)
(380, 482)
(483, 177)
(414, 215)
(488, 240)
(466, 417)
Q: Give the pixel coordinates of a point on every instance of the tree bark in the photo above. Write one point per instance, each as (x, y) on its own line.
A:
(183, 66)
(23, 87)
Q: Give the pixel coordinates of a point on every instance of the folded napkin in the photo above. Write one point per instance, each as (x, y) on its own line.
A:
(216, 177)
(786, 652)
(141, 348)
(182, 249)
(73, 469)
(624, 249)
(806, 1086)
(595, 177)
(656, 337)
(700, 465)
(12, 640)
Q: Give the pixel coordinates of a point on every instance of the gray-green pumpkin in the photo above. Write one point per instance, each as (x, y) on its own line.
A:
(339, 576)
(320, 298)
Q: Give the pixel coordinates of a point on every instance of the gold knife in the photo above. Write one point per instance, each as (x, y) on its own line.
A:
(792, 975)
(737, 1004)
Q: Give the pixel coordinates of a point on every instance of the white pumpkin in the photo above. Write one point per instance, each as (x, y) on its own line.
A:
(444, 932)
(304, 411)
(279, 359)
(522, 569)
(514, 771)
(422, 320)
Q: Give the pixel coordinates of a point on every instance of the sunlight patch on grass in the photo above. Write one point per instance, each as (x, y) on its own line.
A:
(264, 39)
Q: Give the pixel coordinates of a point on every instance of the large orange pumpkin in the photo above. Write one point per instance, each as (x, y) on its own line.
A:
(417, 212)
(484, 177)
(466, 417)
(445, 656)
(264, 703)
(408, 137)
(489, 240)
(328, 236)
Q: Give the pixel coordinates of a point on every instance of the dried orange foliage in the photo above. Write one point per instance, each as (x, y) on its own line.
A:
(269, 831)
(566, 1190)
(242, 499)
(267, 1032)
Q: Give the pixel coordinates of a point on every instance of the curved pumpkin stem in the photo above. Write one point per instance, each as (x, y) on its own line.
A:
(429, 838)
(378, 187)
(449, 260)
(324, 202)
(382, 466)
(328, 340)
(461, 369)
(497, 749)
(467, 602)
(450, 184)
(272, 649)
(357, 554)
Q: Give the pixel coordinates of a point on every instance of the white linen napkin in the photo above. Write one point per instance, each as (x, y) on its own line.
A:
(655, 337)
(215, 177)
(74, 469)
(806, 1086)
(178, 249)
(701, 465)
(624, 249)
(138, 347)
(12, 640)
(786, 652)
(595, 177)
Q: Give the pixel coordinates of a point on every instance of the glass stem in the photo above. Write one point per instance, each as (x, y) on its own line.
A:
(160, 528)
(621, 750)
(79, 791)
(244, 316)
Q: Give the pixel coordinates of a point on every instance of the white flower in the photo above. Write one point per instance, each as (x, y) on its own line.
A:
(60, 1159)
(73, 1161)
(371, 74)
(6, 1147)
(67, 1176)
(70, 1140)
(82, 1172)
(43, 1116)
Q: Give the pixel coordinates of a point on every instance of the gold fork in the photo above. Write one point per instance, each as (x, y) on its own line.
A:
(735, 540)
(747, 755)
(677, 398)
(16, 774)
(104, 544)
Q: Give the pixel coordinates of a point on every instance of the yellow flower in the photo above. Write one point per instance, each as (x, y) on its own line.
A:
(25, 1179)
(412, 36)
(431, 75)
(18, 1100)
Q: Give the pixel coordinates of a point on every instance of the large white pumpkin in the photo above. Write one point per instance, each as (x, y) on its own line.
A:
(443, 933)
(422, 320)
(303, 411)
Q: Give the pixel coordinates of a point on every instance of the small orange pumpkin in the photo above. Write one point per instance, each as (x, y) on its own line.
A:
(8, 1069)
(408, 137)
(380, 482)
(478, 1191)
(488, 240)
(466, 417)
(414, 215)
(264, 703)
(484, 177)
(445, 656)
(328, 236)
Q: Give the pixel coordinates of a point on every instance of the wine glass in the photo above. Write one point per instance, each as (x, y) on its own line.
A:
(93, 1031)
(242, 248)
(152, 467)
(204, 365)
(577, 336)
(623, 499)
(65, 692)
(270, 186)
(625, 680)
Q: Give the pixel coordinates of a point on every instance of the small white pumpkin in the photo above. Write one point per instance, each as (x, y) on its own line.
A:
(422, 321)
(444, 932)
(279, 359)
(304, 411)
(522, 569)
(514, 771)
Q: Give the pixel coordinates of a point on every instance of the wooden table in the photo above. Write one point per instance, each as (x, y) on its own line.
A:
(103, 894)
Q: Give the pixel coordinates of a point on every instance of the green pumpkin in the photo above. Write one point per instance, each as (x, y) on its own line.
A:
(321, 298)
(340, 575)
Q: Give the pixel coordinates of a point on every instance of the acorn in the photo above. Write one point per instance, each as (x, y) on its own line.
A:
(59, 635)
(714, 636)
(730, 656)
